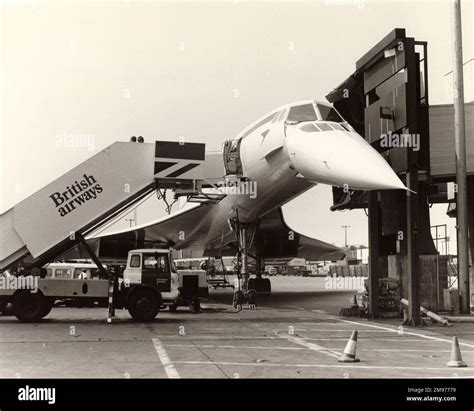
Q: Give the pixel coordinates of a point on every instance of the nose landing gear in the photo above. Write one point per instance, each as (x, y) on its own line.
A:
(245, 295)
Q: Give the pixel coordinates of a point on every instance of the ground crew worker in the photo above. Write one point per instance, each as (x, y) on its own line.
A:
(83, 275)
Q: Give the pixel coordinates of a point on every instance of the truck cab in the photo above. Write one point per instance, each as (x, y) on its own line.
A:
(152, 267)
(151, 281)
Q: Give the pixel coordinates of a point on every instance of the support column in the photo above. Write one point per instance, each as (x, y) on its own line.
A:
(374, 253)
(460, 150)
(244, 257)
(414, 297)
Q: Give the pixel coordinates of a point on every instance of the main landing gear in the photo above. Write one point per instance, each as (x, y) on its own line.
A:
(259, 284)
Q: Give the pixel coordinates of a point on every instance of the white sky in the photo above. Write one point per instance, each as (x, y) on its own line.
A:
(204, 71)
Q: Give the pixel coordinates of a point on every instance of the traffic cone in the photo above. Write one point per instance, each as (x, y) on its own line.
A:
(349, 354)
(456, 359)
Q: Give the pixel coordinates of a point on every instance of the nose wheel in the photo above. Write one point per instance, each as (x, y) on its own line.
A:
(244, 300)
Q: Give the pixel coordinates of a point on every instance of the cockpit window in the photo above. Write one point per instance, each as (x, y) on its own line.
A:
(309, 128)
(329, 114)
(325, 127)
(304, 112)
(336, 126)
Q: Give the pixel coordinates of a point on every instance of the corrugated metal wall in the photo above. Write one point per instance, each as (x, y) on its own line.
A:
(442, 139)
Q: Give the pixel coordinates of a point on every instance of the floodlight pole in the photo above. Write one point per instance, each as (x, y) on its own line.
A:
(460, 150)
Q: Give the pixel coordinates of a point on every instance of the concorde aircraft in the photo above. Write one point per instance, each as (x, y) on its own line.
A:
(272, 161)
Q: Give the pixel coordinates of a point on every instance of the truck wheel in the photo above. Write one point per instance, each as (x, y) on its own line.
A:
(143, 304)
(6, 307)
(195, 306)
(48, 306)
(28, 307)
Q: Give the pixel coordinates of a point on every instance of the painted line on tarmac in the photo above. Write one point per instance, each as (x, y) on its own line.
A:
(330, 330)
(255, 347)
(210, 359)
(292, 307)
(407, 350)
(428, 337)
(309, 345)
(170, 370)
(203, 337)
(298, 341)
(232, 347)
(371, 339)
(370, 367)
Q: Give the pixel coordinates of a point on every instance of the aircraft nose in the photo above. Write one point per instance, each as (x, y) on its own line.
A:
(339, 158)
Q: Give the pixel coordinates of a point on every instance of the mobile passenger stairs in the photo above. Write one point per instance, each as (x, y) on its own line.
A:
(60, 216)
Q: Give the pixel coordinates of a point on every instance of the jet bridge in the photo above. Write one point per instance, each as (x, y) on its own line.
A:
(386, 99)
(60, 215)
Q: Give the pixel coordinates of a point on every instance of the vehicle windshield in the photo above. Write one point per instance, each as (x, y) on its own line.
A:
(329, 114)
(301, 113)
(155, 261)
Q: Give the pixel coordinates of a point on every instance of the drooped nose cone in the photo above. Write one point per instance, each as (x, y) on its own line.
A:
(339, 158)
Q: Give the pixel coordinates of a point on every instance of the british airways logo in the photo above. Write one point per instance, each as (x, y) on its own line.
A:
(76, 194)
(179, 160)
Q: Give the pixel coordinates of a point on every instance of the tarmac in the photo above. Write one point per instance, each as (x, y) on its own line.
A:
(294, 333)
